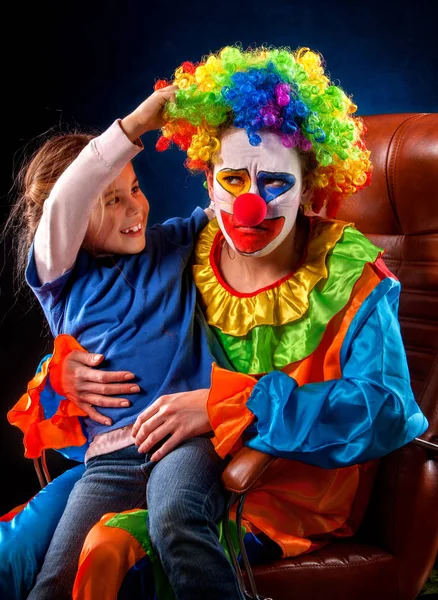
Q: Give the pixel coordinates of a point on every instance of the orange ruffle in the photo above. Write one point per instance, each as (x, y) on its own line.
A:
(226, 408)
(62, 429)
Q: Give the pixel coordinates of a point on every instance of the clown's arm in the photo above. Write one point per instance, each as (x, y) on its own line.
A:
(366, 413)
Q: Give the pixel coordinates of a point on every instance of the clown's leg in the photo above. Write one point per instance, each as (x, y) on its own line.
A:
(185, 502)
(111, 483)
(108, 554)
(24, 540)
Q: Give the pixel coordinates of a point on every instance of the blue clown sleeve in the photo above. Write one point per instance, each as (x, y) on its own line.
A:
(366, 414)
(25, 539)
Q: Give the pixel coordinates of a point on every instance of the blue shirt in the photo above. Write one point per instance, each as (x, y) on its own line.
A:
(140, 312)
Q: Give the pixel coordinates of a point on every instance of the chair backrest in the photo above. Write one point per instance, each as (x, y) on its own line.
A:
(399, 211)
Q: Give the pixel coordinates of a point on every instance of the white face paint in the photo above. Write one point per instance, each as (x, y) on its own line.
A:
(269, 170)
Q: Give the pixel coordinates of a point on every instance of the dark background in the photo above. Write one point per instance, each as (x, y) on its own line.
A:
(67, 64)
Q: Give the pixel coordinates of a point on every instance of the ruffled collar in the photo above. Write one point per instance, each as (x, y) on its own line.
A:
(283, 302)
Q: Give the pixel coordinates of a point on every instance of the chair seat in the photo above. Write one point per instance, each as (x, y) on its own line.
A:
(345, 571)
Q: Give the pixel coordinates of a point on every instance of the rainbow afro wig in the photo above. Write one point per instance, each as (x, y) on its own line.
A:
(274, 90)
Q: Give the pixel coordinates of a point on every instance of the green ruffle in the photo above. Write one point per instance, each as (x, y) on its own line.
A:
(268, 347)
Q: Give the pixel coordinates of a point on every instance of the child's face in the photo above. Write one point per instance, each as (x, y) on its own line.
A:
(117, 225)
(271, 171)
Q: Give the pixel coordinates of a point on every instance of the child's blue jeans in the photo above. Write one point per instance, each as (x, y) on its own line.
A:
(185, 499)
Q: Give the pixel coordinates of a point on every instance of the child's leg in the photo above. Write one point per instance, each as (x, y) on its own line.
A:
(111, 483)
(185, 501)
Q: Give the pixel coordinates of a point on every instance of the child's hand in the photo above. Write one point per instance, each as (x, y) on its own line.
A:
(149, 115)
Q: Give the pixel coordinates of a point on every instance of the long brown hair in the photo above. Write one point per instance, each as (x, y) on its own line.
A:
(33, 184)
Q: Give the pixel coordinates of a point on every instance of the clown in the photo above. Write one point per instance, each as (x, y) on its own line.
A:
(303, 306)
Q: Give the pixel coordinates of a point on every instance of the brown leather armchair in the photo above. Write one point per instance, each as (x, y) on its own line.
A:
(394, 550)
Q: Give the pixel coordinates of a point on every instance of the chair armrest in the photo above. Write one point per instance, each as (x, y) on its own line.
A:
(245, 469)
(430, 446)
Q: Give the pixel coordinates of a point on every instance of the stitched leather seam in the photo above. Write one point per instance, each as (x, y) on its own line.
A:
(392, 156)
(403, 128)
(399, 261)
(290, 567)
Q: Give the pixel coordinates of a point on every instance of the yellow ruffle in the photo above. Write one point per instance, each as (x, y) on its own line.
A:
(287, 302)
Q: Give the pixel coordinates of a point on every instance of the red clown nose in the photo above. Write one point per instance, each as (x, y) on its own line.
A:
(249, 209)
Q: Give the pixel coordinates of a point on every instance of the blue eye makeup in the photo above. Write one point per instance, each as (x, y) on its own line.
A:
(273, 184)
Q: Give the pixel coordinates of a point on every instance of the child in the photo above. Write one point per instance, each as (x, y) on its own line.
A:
(126, 292)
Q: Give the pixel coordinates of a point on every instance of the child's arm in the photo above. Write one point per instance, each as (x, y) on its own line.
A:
(67, 210)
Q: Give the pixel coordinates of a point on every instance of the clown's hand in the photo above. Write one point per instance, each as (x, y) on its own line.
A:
(88, 387)
(180, 416)
(149, 115)
(209, 211)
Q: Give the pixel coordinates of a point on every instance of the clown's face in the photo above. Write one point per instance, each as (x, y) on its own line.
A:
(271, 171)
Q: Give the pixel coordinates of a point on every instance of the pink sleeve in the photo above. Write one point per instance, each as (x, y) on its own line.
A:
(67, 210)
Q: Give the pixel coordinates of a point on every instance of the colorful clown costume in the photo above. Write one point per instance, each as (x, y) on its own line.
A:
(321, 382)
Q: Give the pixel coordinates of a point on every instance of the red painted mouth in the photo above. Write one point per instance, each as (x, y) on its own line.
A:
(248, 240)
